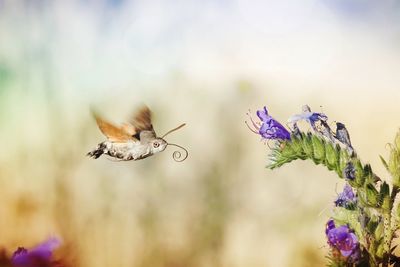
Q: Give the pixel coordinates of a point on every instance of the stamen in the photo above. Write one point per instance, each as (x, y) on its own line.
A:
(248, 126)
(254, 124)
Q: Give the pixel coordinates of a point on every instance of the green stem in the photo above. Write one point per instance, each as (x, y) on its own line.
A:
(359, 176)
(387, 238)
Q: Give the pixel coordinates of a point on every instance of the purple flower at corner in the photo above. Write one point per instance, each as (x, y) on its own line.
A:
(269, 128)
(342, 239)
(347, 198)
(39, 256)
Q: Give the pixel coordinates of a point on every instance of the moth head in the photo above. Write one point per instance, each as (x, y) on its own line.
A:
(158, 145)
(177, 155)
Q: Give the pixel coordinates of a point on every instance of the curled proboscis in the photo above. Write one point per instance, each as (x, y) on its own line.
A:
(177, 155)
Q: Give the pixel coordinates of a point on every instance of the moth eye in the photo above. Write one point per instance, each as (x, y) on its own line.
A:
(156, 145)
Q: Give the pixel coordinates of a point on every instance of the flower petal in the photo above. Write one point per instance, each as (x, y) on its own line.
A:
(263, 114)
(342, 239)
(270, 128)
(346, 198)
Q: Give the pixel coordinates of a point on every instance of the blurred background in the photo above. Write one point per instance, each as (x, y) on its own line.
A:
(200, 62)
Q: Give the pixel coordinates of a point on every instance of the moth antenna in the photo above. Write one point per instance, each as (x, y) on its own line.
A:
(173, 130)
(177, 155)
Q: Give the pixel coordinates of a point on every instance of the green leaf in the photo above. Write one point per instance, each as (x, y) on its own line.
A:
(343, 159)
(318, 149)
(372, 195)
(360, 172)
(384, 196)
(378, 232)
(394, 166)
(308, 147)
(287, 151)
(397, 141)
(297, 147)
(384, 162)
(332, 156)
(380, 250)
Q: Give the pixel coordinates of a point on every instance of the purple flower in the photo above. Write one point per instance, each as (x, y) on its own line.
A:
(269, 128)
(347, 198)
(342, 239)
(39, 256)
(329, 226)
(311, 117)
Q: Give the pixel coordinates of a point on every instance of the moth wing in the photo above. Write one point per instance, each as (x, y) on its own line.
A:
(141, 121)
(129, 129)
(147, 136)
(112, 132)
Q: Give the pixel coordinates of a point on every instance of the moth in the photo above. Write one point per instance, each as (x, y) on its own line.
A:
(135, 140)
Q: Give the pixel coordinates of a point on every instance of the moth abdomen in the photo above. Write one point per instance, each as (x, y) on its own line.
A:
(100, 150)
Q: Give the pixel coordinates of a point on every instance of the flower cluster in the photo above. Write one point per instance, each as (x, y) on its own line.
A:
(39, 256)
(366, 212)
(271, 129)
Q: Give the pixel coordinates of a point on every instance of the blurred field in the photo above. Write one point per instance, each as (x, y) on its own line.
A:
(200, 63)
